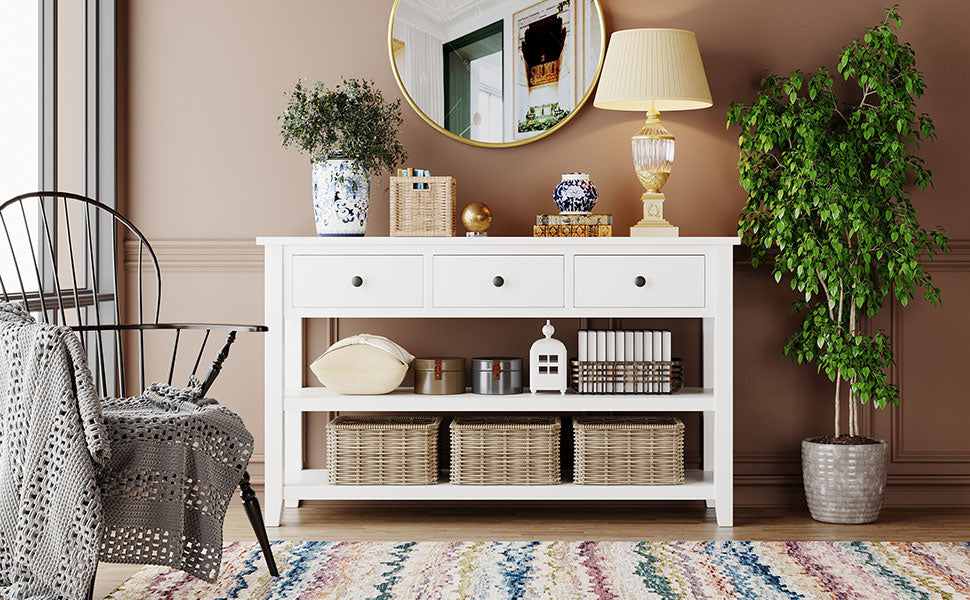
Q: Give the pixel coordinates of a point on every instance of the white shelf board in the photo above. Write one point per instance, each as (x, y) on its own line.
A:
(311, 484)
(320, 399)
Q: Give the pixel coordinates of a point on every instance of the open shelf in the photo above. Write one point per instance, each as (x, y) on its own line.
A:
(320, 399)
(311, 484)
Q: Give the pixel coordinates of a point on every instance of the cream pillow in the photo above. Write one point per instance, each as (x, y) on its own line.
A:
(362, 364)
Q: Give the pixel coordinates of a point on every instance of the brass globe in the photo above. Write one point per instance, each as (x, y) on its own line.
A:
(476, 217)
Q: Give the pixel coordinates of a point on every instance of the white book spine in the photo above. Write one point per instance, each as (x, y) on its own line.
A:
(628, 356)
(658, 350)
(648, 356)
(600, 356)
(667, 356)
(638, 357)
(582, 351)
(591, 345)
(611, 358)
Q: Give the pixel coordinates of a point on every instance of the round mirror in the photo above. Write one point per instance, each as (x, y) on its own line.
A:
(496, 73)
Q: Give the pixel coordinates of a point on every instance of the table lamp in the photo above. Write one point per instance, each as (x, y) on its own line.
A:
(653, 70)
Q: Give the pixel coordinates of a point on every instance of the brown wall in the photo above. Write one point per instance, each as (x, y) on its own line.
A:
(205, 174)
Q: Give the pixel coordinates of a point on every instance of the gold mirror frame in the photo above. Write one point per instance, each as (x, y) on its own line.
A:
(535, 138)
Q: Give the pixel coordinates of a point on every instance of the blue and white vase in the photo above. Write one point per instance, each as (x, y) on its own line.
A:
(575, 194)
(341, 192)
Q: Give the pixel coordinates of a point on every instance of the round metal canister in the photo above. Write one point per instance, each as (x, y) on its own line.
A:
(497, 375)
(439, 375)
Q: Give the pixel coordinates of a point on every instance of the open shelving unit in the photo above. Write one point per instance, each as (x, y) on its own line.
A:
(308, 278)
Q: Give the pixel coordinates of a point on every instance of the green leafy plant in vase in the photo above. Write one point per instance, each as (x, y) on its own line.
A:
(829, 209)
(350, 133)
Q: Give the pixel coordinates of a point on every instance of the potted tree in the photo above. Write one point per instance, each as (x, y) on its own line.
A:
(828, 208)
(350, 133)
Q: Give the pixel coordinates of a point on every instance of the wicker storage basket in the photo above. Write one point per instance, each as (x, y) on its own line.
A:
(510, 450)
(631, 377)
(428, 211)
(383, 450)
(630, 450)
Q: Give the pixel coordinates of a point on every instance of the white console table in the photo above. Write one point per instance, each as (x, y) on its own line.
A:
(688, 277)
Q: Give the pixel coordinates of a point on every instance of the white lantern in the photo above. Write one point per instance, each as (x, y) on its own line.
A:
(547, 363)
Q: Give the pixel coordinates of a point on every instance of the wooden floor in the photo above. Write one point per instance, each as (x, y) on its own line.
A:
(574, 521)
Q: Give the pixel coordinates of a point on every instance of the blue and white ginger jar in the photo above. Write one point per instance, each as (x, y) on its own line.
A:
(341, 193)
(575, 194)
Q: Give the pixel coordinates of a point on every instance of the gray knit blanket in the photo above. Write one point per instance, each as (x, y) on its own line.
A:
(158, 497)
(176, 459)
(52, 437)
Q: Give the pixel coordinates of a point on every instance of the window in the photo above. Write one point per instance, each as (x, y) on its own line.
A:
(57, 127)
(19, 120)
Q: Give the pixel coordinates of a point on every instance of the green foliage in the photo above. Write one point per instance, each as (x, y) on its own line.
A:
(351, 121)
(827, 183)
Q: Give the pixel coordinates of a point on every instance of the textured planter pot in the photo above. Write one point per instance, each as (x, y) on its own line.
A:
(843, 483)
(341, 193)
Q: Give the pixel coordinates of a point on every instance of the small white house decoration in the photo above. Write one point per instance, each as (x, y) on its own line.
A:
(547, 363)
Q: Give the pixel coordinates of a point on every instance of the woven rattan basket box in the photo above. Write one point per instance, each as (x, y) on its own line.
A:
(510, 450)
(422, 206)
(628, 450)
(383, 450)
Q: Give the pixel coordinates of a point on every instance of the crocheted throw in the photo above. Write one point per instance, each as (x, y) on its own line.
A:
(51, 438)
(176, 460)
(159, 497)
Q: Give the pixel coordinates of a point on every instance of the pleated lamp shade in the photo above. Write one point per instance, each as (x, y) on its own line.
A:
(653, 68)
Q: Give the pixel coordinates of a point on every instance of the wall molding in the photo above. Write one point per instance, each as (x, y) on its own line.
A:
(199, 256)
(958, 257)
(767, 456)
(957, 261)
(245, 257)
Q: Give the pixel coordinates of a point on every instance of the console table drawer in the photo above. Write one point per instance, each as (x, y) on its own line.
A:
(365, 281)
(639, 281)
(509, 281)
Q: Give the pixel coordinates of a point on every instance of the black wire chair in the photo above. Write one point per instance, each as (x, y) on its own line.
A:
(60, 246)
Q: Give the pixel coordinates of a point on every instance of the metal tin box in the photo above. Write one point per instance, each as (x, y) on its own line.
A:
(497, 375)
(439, 375)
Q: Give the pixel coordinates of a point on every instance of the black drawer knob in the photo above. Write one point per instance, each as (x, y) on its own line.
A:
(498, 281)
(640, 281)
(357, 281)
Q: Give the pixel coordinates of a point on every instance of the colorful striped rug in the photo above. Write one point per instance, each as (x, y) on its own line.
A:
(575, 571)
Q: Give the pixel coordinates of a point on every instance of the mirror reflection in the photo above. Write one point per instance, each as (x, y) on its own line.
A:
(497, 71)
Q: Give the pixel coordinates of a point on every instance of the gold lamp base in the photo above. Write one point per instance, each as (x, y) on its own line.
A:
(653, 157)
(653, 223)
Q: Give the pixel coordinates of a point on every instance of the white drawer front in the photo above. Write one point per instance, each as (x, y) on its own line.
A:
(515, 281)
(328, 281)
(668, 281)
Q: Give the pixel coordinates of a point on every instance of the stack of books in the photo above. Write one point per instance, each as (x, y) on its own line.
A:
(598, 346)
(416, 173)
(573, 226)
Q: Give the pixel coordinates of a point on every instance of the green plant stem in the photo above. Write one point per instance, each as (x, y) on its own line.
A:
(838, 410)
(853, 408)
(838, 377)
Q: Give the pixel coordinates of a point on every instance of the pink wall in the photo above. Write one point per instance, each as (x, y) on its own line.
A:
(205, 174)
